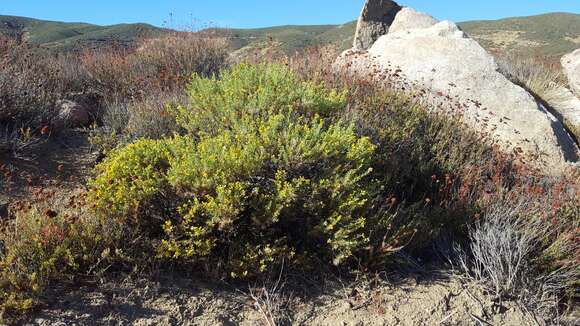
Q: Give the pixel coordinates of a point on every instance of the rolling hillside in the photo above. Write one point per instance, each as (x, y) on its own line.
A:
(289, 38)
(549, 35)
(70, 36)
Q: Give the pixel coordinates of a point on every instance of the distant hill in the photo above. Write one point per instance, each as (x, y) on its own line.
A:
(70, 36)
(549, 35)
(289, 38)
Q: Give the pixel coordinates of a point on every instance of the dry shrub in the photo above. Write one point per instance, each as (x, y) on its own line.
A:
(33, 80)
(23, 95)
(161, 64)
(502, 245)
(150, 117)
(126, 121)
(174, 58)
(508, 252)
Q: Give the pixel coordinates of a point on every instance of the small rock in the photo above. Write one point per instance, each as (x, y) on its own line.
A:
(72, 115)
(3, 210)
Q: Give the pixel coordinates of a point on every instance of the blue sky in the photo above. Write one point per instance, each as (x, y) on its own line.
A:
(259, 13)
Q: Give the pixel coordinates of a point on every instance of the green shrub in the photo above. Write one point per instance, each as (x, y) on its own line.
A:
(248, 93)
(290, 186)
(40, 246)
(289, 189)
(273, 181)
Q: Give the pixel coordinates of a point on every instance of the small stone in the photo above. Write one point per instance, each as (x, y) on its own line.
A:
(72, 115)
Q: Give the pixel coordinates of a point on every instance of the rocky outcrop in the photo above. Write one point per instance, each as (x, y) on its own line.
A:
(571, 65)
(374, 21)
(71, 115)
(566, 106)
(409, 18)
(442, 62)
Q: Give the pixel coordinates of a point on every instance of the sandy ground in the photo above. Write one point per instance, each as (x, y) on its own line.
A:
(445, 300)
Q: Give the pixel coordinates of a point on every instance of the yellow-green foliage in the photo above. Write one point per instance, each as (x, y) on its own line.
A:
(40, 246)
(287, 188)
(274, 181)
(131, 177)
(246, 93)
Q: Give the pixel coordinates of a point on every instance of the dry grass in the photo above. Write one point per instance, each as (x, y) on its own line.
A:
(271, 301)
(19, 142)
(544, 80)
(537, 76)
(121, 88)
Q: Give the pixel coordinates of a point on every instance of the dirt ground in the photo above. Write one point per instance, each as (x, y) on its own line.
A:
(61, 163)
(445, 300)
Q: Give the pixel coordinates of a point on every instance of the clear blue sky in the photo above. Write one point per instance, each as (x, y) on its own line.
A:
(259, 13)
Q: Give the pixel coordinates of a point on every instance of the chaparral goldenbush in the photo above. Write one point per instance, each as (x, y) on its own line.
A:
(260, 176)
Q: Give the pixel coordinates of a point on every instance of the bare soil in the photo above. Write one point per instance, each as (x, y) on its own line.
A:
(60, 163)
(180, 301)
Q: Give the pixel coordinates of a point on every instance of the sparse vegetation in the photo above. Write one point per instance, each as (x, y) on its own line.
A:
(510, 246)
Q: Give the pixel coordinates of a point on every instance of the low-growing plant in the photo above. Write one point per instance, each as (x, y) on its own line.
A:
(41, 245)
(280, 183)
(511, 253)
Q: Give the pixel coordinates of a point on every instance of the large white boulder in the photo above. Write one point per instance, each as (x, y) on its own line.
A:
(441, 61)
(409, 18)
(571, 65)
